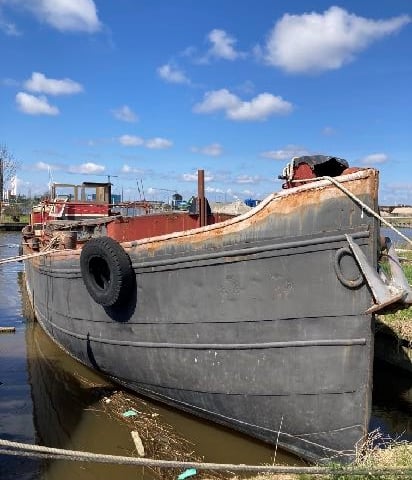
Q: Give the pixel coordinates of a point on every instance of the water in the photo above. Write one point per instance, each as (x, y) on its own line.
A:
(395, 238)
(47, 398)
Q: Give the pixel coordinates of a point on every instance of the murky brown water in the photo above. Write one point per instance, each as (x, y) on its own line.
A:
(47, 398)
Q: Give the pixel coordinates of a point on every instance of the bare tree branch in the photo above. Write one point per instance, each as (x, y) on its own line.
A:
(8, 168)
(8, 164)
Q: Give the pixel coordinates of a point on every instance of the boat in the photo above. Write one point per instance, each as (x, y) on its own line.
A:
(262, 322)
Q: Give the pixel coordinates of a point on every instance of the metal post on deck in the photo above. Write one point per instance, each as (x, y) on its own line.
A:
(201, 197)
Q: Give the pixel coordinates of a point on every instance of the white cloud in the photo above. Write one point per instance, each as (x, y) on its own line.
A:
(33, 105)
(405, 186)
(64, 15)
(43, 166)
(131, 140)
(209, 189)
(188, 52)
(172, 74)
(128, 169)
(398, 193)
(39, 83)
(217, 100)
(314, 42)
(259, 108)
(7, 27)
(158, 143)
(9, 82)
(247, 179)
(247, 87)
(192, 177)
(328, 131)
(125, 113)
(189, 177)
(212, 150)
(374, 159)
(286, 153)
(223, 45)
(88, 167)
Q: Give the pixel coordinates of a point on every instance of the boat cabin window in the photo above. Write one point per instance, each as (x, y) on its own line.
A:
(86, 192)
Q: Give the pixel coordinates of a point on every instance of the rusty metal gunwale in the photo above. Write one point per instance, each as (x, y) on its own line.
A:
(130, 246)
(316, 185)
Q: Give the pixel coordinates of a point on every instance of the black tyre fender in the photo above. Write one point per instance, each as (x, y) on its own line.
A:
(106, 271)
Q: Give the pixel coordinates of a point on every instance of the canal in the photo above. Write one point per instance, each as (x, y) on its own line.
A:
(47, 398)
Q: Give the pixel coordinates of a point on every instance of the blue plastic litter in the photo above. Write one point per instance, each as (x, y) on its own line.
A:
(187, 473)
(130, 413)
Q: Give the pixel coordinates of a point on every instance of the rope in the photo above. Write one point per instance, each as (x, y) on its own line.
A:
(19, 258)
(359, 202)
(49, 248)
(38, 451)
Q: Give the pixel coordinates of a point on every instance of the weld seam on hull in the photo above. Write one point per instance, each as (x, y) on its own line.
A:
(218, 346)
(155, 394)
(251, 395)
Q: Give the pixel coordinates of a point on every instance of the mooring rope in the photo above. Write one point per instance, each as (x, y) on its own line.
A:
(49, 248)
(38, 451)
(19, 258)
(358, 201)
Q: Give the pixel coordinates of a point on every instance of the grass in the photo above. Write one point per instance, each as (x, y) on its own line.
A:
(400, 322)
(9, 219)
(377, 453)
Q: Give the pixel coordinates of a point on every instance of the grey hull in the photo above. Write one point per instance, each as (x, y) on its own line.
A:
(246, 324)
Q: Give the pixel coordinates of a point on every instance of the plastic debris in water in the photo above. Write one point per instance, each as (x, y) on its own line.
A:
(138, 443)
(187, 473)
(130, 413)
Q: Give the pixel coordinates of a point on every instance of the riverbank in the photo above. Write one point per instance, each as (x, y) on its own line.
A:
(400, 222)
(13, 224)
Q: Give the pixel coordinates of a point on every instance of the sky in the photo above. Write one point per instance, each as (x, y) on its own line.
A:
(146, 92)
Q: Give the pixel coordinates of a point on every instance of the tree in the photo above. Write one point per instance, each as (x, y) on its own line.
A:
(8, 168)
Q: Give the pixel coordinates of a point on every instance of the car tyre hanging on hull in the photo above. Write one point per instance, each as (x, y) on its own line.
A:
(106, 271)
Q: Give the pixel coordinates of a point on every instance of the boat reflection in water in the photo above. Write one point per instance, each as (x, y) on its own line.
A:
(68, 413)
(65, 398)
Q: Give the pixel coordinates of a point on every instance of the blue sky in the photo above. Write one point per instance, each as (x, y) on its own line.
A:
(149, 91)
